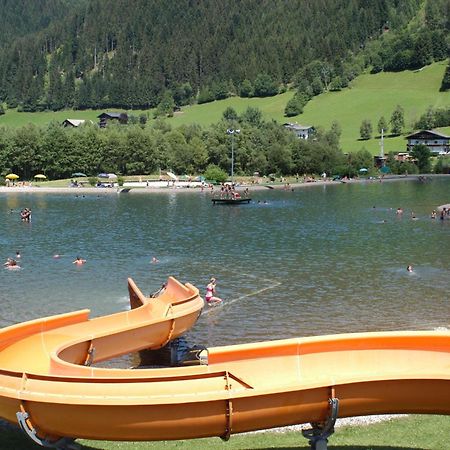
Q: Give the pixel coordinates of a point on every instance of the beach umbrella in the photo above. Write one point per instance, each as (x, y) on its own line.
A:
(172, 175)
(12, 176)
(102, 175)
(363, 170)
(79, 174)
(41, 176)
(112, 176)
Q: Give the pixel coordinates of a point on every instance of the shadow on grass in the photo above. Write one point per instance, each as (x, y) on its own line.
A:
(344, 447)
(13, 438)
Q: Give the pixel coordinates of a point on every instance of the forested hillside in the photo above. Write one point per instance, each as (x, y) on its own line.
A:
(151, 52)
(20, 18)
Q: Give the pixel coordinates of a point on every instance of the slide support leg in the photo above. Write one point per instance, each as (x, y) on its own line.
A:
(319, 433)
(23, 419)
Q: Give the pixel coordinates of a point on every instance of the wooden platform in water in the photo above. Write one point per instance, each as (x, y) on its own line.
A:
(231, 201)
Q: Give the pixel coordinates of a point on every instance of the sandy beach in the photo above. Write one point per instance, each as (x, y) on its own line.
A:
(42, 189)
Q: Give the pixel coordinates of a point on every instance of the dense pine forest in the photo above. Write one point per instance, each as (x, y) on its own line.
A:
(149, 53)
(164, 55)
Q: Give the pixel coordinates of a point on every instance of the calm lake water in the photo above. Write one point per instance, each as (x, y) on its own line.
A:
(319, 260)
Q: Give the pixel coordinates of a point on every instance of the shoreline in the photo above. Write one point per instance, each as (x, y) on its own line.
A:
(251, 187)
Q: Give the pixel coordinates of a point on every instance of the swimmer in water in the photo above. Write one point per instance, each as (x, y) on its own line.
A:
(210, 298)
(79, 261)
(11, 264)
(155, 260)
(409, 268)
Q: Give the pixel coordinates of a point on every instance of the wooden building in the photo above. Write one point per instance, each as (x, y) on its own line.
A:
(438, 143)
(74, 123)
(105, 117)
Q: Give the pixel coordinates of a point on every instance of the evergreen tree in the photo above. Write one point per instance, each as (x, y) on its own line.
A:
(205, 96)
(246, 89)
(365, 130)
(166, 106)
(421, 153)
(252, 116)
(230, 114)
(264, 86)
(445, 85)
(423, 49)
(336, 84)
(295, 105)
(317, 86)
(397, 121)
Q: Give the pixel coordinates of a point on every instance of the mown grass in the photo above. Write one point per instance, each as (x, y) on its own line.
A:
(373, 96)
(368, 97)
(414, 432)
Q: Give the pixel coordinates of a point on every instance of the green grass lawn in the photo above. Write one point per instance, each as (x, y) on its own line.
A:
(413, 432)
(369, 97)
(373, 96)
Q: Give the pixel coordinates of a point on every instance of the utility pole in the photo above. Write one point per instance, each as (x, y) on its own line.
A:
(232, 131)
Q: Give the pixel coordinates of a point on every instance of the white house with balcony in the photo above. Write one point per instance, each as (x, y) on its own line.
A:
(302, 131)
(438, 143)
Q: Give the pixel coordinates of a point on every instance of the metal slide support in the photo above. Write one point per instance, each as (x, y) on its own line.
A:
(319, 433)
(23, 419)
(229, 411)
(90, 355)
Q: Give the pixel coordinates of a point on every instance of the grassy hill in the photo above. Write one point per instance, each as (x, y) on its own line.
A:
(373, 96)
(369, 97)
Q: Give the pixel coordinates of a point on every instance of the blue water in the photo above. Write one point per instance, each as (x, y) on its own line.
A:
(319, 260)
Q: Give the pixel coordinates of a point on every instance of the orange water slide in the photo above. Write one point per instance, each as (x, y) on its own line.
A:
(48, 376)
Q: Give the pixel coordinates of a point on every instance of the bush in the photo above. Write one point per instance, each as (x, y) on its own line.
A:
(92, 181)
(215, 173)
(442, 165)
(205, 96)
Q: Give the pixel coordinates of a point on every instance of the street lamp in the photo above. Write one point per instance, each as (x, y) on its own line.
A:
(232, 131)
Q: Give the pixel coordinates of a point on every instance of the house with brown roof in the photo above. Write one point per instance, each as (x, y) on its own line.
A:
(438, 143)
(120, 117)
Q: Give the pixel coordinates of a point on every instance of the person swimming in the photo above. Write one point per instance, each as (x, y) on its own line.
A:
(79, 261)
(409, 268)
(11, 264)
(210, 298)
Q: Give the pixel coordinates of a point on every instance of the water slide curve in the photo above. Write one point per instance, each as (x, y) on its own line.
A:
(51, 384)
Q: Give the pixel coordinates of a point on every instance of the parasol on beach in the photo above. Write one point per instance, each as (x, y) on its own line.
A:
(41, 176)
(79, 174)
(12, 176)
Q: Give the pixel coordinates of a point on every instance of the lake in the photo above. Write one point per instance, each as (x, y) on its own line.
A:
(319, 260)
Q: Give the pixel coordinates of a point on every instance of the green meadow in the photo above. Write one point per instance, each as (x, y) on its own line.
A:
(412, 432)
(368, 97)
